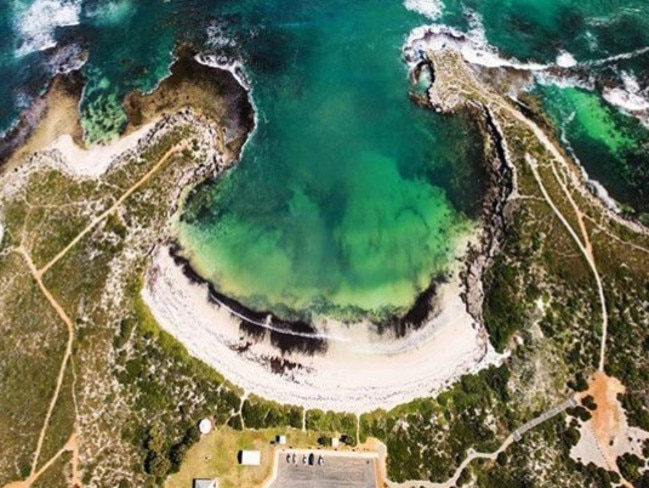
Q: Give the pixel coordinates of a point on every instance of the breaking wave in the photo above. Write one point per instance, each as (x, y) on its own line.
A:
(36, 25)
(630, 98)
(428, 8)
(474, 47)
(112, 12)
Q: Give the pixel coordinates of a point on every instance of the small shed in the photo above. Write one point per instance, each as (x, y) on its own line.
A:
(249, 458)
(280, 439)
(335, 442)
(205, 483)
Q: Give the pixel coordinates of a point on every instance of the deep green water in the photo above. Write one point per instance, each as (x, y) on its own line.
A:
(538, 29)
(348, 195)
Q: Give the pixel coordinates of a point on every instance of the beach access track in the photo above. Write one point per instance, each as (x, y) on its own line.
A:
(37, 274)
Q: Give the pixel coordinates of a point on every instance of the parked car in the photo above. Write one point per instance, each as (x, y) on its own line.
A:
(294, 458)
(288, 458)
(311, 459)
(304, 459)
(321, 460)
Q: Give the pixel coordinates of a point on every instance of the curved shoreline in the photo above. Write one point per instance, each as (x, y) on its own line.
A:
(334, 366)
(358, 375)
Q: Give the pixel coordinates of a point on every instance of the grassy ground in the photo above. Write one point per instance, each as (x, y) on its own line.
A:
(215, 456)
(56, 475)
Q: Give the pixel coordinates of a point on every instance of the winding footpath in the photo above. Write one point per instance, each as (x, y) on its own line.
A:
(586, 251)
(467, 85)
(72, 444)
(463, 87)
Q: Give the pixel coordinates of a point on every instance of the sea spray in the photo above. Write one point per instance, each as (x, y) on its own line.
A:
(428, 8)
(36, 24)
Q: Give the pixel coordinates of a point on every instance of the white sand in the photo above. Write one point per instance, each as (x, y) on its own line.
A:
(94, 162)
(358, 373)
(625, 439)
(587, 449)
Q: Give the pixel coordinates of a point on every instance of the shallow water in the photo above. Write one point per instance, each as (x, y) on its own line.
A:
(342, 199)
(349, 197)
(613, 147)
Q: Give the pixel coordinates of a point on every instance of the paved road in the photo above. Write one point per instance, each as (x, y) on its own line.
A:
(340, 470)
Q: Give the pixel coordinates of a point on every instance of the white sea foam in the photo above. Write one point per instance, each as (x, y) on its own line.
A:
(217, 38)
(220, 53)
(621, 57)
(630, 96)
(476, 50)
(477, 30)
(112, 12)
(602, 193)
(565, 80)
(428, 8)
(472, 45)
(236, 68)
(36, 24)
(224, 62)
(566, 60)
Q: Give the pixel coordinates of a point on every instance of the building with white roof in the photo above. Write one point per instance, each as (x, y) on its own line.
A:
(249, 458)
(205, 483)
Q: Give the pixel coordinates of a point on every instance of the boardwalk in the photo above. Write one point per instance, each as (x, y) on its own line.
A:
(472, 455)
(570, 403)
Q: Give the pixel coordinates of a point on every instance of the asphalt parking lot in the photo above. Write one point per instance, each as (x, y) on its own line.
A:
(338, 471)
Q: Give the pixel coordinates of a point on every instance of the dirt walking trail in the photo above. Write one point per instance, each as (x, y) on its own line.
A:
(72, 444)
(495, 103)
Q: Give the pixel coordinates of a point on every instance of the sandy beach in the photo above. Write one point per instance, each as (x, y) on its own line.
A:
(94, 161)
(359, 372)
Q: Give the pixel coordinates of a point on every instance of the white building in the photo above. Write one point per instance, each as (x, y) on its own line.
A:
(250, 458)
(280, 439)
(205, 483)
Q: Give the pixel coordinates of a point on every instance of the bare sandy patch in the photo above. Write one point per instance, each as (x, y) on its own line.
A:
(94, 161)
(607, 435)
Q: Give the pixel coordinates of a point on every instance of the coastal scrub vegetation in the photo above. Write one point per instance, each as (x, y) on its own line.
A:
(428, 438)
(136, 395)
(149, 391)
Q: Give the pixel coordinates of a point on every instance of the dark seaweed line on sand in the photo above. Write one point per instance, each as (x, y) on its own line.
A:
(300, 335)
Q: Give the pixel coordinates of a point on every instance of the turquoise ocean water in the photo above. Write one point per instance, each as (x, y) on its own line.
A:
(349, 198)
